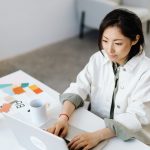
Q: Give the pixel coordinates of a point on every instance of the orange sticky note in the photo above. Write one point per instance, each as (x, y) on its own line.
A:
(5, 108)
(18, 90)
(38, 90)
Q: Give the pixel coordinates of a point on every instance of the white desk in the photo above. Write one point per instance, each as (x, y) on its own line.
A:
(81, 118)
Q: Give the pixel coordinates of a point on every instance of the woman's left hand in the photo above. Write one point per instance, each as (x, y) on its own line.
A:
(85, 141)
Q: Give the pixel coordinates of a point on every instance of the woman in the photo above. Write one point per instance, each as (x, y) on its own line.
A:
(117, 80)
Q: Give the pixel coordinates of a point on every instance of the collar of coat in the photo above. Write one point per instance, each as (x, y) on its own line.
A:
(130, 65)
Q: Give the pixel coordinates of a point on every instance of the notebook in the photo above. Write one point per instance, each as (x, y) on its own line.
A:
(35, 138)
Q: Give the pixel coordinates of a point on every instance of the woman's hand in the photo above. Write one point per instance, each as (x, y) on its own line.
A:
(89, 140)
(60, 128)
(85, 141)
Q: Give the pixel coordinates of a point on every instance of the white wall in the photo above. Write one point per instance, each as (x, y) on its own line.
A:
(140, 3)
(28, 24)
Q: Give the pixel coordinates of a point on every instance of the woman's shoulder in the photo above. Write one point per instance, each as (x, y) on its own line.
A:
(98, 56)
(146, 62)
(140, 61)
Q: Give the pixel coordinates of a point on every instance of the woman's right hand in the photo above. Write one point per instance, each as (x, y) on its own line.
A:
(60, 128)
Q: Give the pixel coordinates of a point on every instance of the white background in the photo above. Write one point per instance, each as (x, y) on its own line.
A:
(29, 24)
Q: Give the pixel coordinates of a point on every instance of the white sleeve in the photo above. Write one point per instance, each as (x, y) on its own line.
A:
(82, 85)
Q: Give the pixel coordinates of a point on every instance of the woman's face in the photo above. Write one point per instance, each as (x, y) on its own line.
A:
(116, 45)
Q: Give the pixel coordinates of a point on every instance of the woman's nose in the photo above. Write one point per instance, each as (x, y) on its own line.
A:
(111, 48)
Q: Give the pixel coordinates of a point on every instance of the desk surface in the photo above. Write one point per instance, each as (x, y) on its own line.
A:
(88, 121)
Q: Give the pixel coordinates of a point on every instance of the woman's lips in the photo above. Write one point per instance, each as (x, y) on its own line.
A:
(112, 56)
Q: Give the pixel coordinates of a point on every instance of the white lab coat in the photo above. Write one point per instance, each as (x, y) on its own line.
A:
(132, 102)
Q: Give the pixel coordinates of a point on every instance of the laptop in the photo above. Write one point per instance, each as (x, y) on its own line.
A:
(35, 138)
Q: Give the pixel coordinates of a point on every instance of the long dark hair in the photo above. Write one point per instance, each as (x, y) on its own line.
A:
(130, 26)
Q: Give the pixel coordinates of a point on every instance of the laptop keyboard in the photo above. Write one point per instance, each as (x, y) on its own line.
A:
(73, 131)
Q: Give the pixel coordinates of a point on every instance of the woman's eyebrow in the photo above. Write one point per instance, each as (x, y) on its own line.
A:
(117, 39)
(105, 37)
(113, 40)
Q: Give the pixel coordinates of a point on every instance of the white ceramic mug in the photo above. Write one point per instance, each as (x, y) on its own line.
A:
(38, 111)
